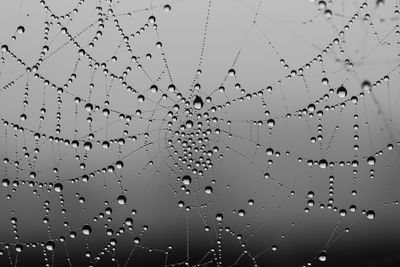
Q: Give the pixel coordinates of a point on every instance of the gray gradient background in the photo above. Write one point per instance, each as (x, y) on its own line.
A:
(155, 192)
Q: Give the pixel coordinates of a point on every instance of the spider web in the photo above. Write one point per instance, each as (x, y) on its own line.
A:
(159, 134)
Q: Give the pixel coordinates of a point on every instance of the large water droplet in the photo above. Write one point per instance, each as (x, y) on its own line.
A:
(370, 214)
(86, 229)
(87, 146)
(371, 160)
(366, 85)
(50, 245)
(341, 92)
(323, 163)
(20, 29)
(186, 180)
(323, 255)
(198, 102)
(167, 8)
(58, 187)
(208, 189)
(121, 199)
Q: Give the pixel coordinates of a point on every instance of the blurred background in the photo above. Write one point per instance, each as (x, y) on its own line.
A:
(199, 133)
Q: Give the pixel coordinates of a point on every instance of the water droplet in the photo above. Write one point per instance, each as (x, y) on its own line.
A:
(323, 163)
(20, 29)
(154, 88)
(271, 123)
(380, 2)
(323, 255)
(106, 112)
(167, 8)
(341, 92)
(121, 199)
(86, 229)
(50, 245)
(371, 214)
(189, 124)
(19, 247)
(353, 208)
(171, 88)
(198, 102)
(186, 180)
(371, 160)
(152, 19)
(140, 98)
(4, 48)
(208, 190)
(322, 4)
(342, 212)
(58, 187)
(119, 164)
(89, 107)
(366, 85)
(87, 146)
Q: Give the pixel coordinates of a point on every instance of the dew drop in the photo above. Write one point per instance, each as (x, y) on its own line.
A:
(152, 19)
(121, 199)
(323, 255)
(189, 124)
(140, 98)
(198, 102)
(58, 187)
(208, 190)
(271, 123)
(371, 160)
(167, 8)
(241, 212)
(186, 180)
(154, 88)
(86, 229)
(366, 85)
(88, 107)
(371, 214)
(323, 163)
(50, 245)
(20, 29)
(171, 88)
(119, 164)
(19, 247)
(341, 92)
(87, 146)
